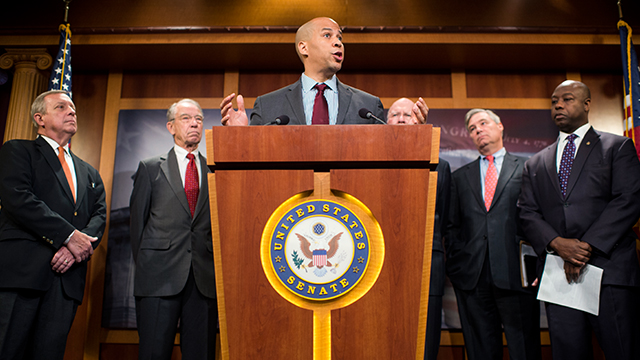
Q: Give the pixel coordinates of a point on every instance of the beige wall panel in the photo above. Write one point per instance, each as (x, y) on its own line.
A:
(167, 84)
(415, 84)
(606, 112)
(512, 85)
(89, 94)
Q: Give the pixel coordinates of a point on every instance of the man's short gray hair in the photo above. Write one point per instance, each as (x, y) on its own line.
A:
(171, 113)
(472, 112)
(39, 107)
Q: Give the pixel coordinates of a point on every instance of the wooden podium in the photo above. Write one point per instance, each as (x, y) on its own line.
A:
(387, 168)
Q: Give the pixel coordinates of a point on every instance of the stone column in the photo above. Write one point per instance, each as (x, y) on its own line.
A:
(28, 82)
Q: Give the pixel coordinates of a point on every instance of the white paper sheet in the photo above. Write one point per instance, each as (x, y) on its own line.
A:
(583, 295)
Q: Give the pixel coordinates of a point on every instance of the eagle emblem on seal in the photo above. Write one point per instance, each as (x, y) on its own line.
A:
(319, 257)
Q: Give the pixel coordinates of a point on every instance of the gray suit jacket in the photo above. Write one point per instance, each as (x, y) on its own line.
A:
(288, 101)
(473, 230)
(165, 239)
(601, 206)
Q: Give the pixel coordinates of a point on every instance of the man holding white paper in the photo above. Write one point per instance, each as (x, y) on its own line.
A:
(580, 198)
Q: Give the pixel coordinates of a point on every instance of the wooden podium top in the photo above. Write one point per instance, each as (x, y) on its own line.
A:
(344, 146)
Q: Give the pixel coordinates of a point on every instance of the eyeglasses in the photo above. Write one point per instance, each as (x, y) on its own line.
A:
(188, 118)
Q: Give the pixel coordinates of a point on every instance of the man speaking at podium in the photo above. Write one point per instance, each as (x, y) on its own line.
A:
(318, 98)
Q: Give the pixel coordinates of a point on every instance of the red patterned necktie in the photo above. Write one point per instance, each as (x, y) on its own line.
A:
(490, 182)
(67, 172)
(320, 107)
(191, 187)
(566, 163)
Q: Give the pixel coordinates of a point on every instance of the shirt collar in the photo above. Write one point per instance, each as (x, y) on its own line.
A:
(500, 153)
(54, 144)
(580, 132)
(181, 153)
(308, 83)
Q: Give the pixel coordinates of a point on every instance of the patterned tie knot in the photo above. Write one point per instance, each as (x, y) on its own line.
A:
(321, 87)
(191, 185)
(490, 182)
(566, 163)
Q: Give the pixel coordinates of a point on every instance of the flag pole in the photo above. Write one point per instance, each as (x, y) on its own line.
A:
(66, 10)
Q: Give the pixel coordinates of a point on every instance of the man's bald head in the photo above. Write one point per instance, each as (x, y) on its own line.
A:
(305, 32)
(579, 88)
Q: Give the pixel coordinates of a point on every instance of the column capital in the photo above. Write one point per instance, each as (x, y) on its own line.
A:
(39, 56)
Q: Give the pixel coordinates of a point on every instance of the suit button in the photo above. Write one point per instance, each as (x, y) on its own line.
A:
(566, 205)
(75, 213)
(188, 250)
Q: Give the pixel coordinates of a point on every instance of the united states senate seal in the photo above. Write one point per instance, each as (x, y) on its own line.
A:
(319, 249)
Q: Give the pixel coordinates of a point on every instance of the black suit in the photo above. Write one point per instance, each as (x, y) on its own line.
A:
(483, 265)
(436, 287)
(173, 254)
(38, 215)
(600, 208)
(288, 101)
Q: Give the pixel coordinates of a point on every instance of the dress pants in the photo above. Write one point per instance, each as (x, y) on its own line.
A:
(486, 310)
(158, 317)
(35, 324)
(617, 327)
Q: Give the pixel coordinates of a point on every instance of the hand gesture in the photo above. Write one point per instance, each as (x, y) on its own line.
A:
(232, 117)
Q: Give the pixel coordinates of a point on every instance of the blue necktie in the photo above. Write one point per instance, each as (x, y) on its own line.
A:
(566, 163)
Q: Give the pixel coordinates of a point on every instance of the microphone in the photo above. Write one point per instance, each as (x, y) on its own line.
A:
(367, 114)
(280, 120)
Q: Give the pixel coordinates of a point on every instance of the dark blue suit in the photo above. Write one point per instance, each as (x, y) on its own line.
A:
(600, 208)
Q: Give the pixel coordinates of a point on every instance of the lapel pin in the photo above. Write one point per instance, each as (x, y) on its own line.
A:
(588, 142)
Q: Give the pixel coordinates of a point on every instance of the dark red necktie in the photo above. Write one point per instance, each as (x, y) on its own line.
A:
(320, 107)
(191, 187)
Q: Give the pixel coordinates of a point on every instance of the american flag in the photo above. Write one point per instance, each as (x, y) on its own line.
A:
(631, 85)
(320, 257)
(61, 73)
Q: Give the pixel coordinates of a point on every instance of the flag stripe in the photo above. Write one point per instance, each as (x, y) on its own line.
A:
(631, 85)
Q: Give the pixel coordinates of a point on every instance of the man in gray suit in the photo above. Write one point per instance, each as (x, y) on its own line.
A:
(171, 243)
(319, 46)
(482, 248)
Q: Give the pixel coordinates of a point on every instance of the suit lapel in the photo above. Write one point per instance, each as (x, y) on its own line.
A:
(294, 96)
(203, 196)
(82, 179)
(587, 144)
(171, 171)
(509, 165)
(51, 158)
(473, 177)
(344, 99)
(549, 159)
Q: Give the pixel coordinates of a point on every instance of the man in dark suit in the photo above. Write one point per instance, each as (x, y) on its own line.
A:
(580, 198)
(53, 216)
(319, 46)
(171, 243)
(405, 112)
(482, 248)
